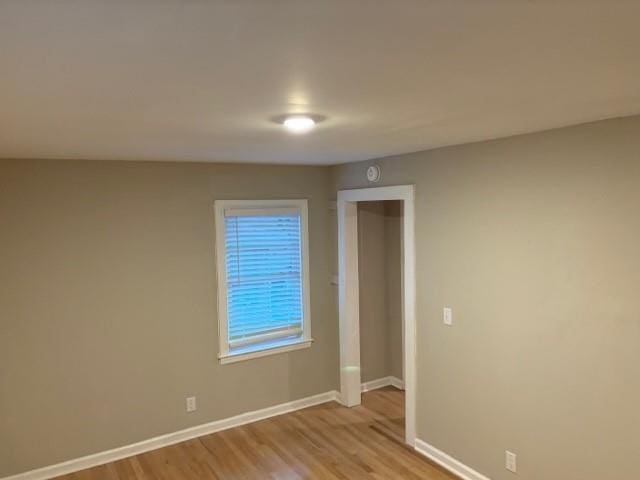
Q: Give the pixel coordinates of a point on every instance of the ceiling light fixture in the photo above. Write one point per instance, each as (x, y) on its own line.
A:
(299, 123)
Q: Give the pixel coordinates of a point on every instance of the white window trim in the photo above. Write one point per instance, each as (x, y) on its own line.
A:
(253, 207)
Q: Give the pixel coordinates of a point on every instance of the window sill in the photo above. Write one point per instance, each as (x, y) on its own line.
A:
(264, 351)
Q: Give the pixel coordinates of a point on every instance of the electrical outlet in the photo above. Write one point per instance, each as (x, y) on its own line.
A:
(447, 316)
(191, 404)
(510, 461)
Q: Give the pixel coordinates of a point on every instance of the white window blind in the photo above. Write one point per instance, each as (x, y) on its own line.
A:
(264, 277)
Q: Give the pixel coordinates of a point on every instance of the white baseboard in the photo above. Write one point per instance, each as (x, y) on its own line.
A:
(448, 462)
(397, 383)
(107, 456)
(382, 382)
(375, 384)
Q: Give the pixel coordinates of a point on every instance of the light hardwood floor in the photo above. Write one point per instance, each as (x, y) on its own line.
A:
(328, 442)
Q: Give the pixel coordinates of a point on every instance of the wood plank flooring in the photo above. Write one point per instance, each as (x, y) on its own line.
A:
(324, 442)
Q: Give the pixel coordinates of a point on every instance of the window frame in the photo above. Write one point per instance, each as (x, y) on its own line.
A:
(225, 355)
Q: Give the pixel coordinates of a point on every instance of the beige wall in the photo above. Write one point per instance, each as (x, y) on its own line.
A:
(534, 241)
(108, 301)
(108, 311)
(380, 301)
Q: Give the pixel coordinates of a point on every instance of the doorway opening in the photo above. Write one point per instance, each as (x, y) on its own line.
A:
(380, 288)
(351, 374)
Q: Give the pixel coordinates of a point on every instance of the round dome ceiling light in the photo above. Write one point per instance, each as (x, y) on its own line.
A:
(299, 123)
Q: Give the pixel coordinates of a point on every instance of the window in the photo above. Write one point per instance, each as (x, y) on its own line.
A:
(263, 277)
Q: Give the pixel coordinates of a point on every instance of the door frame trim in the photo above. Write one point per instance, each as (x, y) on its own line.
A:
(349, 295)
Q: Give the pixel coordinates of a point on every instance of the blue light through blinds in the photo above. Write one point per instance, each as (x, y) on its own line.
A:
(264, 278)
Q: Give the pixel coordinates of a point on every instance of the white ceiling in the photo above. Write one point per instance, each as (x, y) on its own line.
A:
(200, 80)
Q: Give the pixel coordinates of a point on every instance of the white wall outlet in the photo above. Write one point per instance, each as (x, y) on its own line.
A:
(191, 404)
(447, 316)
(510, 461)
